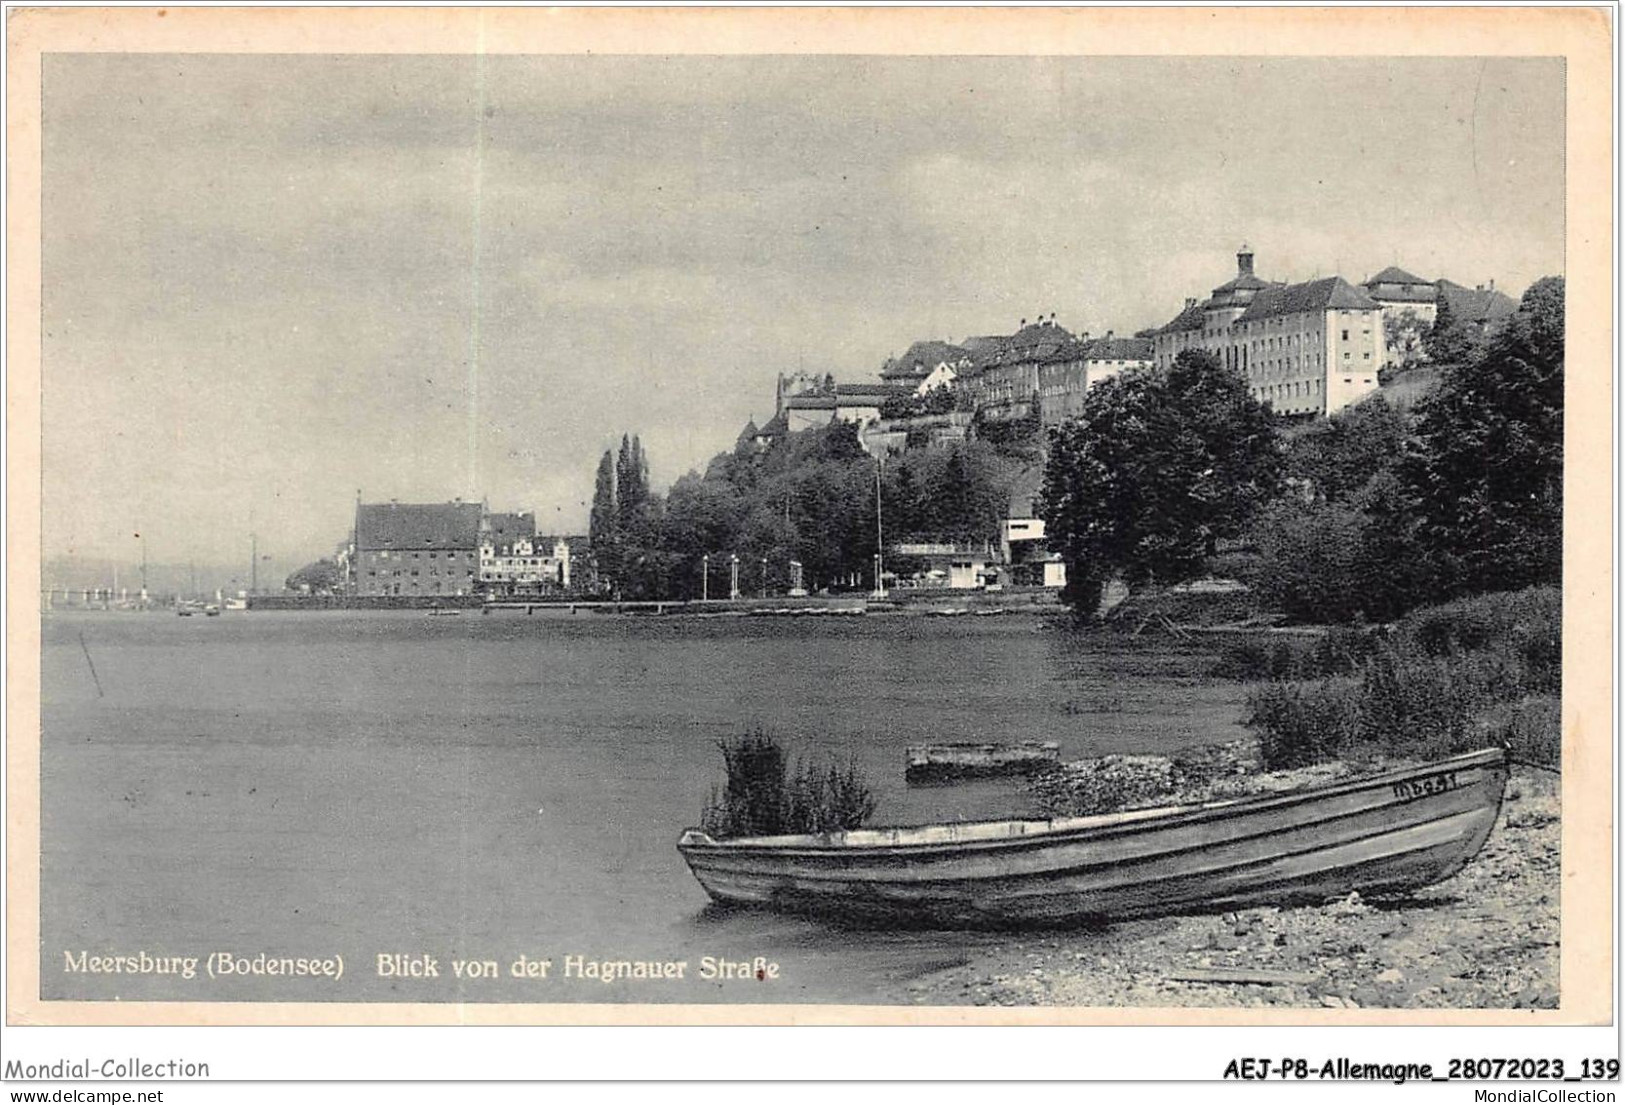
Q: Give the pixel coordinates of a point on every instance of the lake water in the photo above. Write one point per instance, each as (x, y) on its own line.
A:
(490, 787)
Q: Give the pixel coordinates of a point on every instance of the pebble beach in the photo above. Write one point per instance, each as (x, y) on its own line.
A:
(1486, 938)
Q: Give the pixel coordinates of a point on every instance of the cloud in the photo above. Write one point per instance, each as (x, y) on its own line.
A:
(272, 280)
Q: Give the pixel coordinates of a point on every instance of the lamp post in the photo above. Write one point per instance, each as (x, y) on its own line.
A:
(733, 576)
(705, 577)
(880, 535)
(764, 577)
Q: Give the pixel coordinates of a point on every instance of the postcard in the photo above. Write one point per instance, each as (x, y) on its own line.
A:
(809, 516)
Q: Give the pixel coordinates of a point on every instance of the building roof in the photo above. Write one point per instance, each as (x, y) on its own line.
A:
(1394, 285)
(505, 528)
(1476, 304)
(980, 344)
(921, 359)
(871, 391)
(1193, 317)
(777, 426)
(1393, 274)
(1036, 335)
(810, 401)
(1118, 349)
(1039, 341)
(418, 525)
(1245, 281)
(750, 431)
(1312, 295)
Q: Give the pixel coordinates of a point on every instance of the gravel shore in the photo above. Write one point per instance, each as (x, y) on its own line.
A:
(1485, 938)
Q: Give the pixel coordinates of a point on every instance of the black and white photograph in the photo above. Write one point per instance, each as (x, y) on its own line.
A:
(1011, 530)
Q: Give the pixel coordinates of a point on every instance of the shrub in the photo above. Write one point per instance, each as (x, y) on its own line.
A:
(1244, 658)
(1533, 731)
(763, 797)
(1418, 706)
(1304, 723)
(1463, 675)
(1343, 561)
(1452, 629)
(1340, 651)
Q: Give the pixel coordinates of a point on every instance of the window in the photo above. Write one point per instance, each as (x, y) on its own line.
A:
(1345, 335)
(1365, 356)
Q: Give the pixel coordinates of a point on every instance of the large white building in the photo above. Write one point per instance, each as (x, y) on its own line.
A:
(1307, 349)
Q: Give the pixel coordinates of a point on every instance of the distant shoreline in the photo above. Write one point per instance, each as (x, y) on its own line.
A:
(934, 603)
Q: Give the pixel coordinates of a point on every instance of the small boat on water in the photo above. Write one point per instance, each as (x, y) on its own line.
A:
(971, 759)
(443, 612)
(1391, 832)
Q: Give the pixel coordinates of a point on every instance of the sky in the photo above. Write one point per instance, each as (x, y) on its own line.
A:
(272, 282)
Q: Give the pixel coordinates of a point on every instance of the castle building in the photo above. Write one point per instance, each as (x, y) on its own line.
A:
(926, 364)
(1409, 305)
(1311, 348)
(1483, 308)
(856, 403)
(1076, 367)
(1004, 376)
(1307, 349)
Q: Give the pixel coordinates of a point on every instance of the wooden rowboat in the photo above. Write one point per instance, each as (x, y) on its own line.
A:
(1390, 832)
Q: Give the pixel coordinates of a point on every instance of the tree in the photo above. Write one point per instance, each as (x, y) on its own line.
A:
(1403, 334)
(602, 523)
(1343, 560)
(1488, 470)
(1337, 455)
(320, 577)
(1159, 466)
(1451, 340)
(631, 481)
(701, 517)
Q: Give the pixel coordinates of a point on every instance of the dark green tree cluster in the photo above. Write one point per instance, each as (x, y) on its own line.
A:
(810, 498)
(1366, 514)
(1464, 499)
(1488, 470)
(624, 522)
(1451, 340)
(320, 577)
(935, 401)
(1159, 467)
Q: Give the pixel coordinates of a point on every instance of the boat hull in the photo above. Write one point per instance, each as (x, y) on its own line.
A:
(1391, 832)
